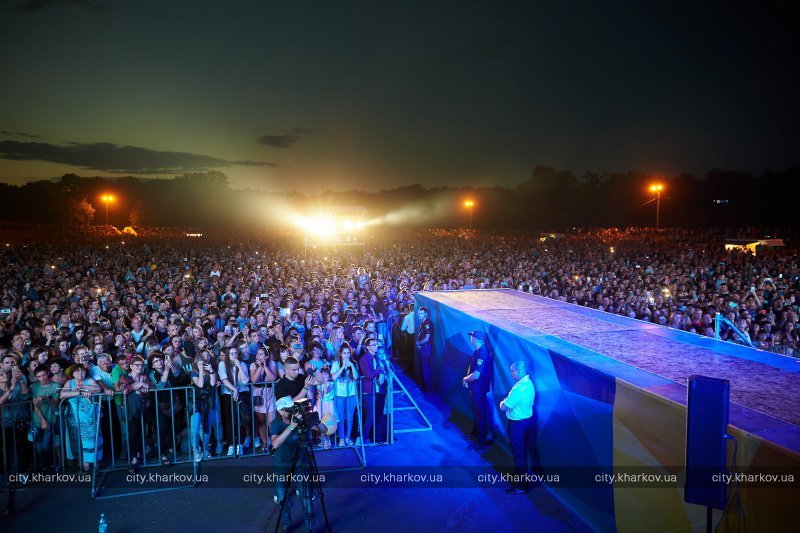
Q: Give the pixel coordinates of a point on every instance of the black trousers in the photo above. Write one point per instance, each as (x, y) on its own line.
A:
(518, 432)
(480, 415)
(231, 423)
(426, 364)
(16, 450)
(373, 406)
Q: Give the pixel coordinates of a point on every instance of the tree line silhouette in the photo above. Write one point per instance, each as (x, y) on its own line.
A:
(550, 199)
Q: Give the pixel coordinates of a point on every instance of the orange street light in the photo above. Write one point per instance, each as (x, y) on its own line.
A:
(107, 198)
(657, 188)
(469, 204)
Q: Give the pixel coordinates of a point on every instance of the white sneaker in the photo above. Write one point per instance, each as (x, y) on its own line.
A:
(231, 449)
(247, 442)
(258, 442)
(358, 441)
(340, 443)
(240, 450)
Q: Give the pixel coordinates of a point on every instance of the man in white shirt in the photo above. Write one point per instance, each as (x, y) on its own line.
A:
(407, 336)
(518, 406)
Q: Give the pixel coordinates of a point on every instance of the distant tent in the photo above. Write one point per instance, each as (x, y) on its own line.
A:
(752, 245)
(130, 231)
(544, 236)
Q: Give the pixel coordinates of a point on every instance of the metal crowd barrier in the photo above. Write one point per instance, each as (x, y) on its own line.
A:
(116, 435)
(719, 320)
(18, 446)
(113, 424)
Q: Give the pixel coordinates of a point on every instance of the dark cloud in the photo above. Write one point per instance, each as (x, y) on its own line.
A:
(19, 134)
(41, 5)
(113, 158)
(286, 140)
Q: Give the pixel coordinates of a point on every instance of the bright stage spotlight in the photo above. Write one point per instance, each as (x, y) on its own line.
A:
(324, 225)
(333, 227)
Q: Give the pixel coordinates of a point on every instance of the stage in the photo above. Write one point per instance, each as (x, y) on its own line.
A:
(611, 394)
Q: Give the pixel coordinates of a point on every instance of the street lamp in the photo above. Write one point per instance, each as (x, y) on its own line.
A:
(107, 198)
(469, 204)
(657, 188)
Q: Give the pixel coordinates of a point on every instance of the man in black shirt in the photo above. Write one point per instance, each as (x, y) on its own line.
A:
(291, 384)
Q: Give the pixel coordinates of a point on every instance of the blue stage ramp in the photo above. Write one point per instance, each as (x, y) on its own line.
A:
(611, 404)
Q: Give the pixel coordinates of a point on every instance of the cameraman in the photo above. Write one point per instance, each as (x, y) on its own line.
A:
(285, 441)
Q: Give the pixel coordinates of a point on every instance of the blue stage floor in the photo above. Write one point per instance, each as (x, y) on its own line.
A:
(764, 385)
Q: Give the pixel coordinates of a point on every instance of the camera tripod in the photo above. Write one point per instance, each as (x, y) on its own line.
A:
(310, 484)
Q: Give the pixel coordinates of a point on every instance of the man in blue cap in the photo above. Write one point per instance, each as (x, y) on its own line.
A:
(285, 442)
(425, 347)
(478, 380)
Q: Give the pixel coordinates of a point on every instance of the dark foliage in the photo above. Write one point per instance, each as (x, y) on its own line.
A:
(550, 199)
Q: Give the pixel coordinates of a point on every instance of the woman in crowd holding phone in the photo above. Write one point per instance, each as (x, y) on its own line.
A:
(315, 361)
(136, 388)
(204, 381)
(162, 376)
(263, 370)
(235, 400)
(344, 374)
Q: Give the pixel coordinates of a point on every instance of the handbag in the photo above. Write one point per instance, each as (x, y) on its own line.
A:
(205, 398)
(244, 413)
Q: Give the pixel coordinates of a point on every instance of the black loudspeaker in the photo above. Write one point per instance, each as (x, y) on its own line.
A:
(706, 428)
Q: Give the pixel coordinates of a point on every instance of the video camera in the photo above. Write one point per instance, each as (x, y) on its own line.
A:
(302, 415)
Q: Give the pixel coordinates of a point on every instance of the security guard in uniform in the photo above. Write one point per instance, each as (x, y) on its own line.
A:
(425, 347)
(477, 380)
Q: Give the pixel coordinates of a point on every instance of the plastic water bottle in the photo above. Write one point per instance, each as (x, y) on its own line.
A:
(103, 525)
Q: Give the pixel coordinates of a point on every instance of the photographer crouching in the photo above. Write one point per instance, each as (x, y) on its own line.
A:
(293, 457)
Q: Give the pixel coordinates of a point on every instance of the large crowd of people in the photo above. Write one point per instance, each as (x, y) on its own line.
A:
(203, 335)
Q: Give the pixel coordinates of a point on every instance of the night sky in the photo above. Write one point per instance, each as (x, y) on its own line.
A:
(375, 95)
